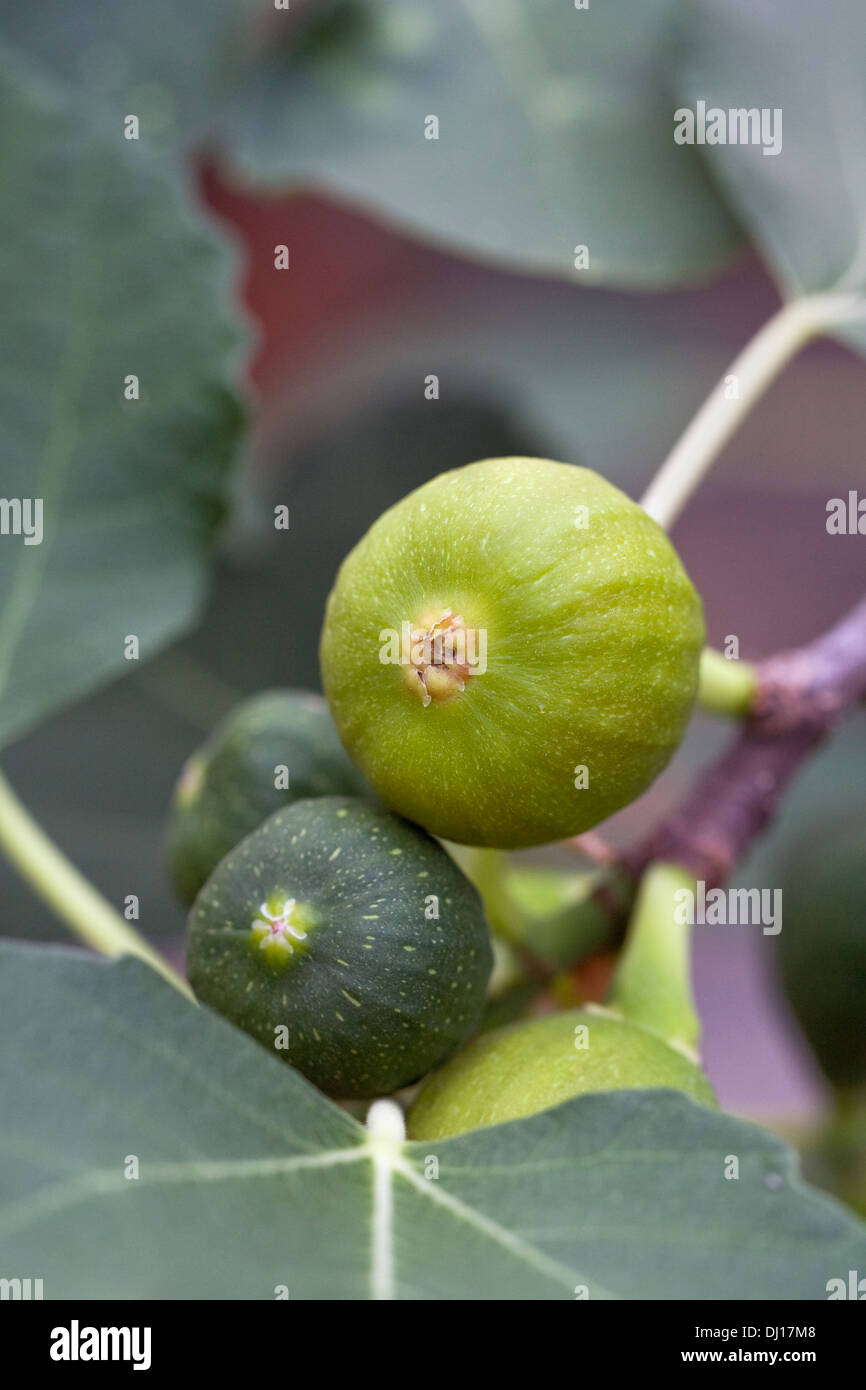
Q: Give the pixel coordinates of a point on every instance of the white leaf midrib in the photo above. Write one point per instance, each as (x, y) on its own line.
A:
(387, 1161)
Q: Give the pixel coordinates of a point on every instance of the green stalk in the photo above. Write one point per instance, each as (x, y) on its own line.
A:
(726, 687)
(487, 870)
(68, 893)
(652, 985)
(754, 370)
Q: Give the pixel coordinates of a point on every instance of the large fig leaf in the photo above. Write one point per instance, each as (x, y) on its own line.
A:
(166, 63)
(555, 130)
(110, 285)
(803, 66)
(149, 1150)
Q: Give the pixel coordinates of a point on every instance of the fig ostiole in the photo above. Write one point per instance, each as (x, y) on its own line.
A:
(274, 748)
(346, 940)
(511, 652)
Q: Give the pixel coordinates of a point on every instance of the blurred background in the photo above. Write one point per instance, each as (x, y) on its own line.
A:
(395, 275)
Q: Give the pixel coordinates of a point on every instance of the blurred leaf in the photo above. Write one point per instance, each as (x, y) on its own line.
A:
(98, 777)
(106, 272)
(263, 623)
(555, 130)
(830, 789)
(167, 63)
(250, 1179)
(806, 205)
(588, 376)
(103, 791)
(822, 945)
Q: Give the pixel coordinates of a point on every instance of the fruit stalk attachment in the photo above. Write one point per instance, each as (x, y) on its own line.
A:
(66, 891)
(726, 687)
(652, 985)
(742, 386)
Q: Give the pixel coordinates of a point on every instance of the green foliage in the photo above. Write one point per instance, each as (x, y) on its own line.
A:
(169, 64)
(576, 104)
(554, 131)
(107, 273)
(250, 1179)
(806, 205)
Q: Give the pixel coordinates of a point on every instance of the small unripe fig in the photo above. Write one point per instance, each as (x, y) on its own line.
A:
(273, 749)
(531, 1066)
(347, 940)
(511, 652)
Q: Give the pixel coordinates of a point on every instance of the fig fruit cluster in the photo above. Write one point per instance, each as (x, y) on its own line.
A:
(509, 655)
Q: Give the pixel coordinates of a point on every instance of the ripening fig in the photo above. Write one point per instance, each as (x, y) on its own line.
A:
(346, 940)
(531, 1066)
(511, 652)
(274, 748)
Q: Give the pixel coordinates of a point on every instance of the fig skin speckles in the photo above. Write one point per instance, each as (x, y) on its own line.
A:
(531, 1066)
(591, 633)
(351, 934)
(229, 786)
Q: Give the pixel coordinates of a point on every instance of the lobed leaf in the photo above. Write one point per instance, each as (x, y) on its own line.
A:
(555, 129)
(804, 205)
(249, 1179)
(106, 273)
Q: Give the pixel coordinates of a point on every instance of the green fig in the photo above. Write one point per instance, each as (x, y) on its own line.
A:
(531, 1066)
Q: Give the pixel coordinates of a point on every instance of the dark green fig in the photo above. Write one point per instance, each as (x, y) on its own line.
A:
(347, 940)
(273, 749)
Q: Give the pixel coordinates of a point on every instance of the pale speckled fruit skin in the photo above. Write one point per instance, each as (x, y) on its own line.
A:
(593, 643)
(418, 983)
(236, 765)
(532, 1066)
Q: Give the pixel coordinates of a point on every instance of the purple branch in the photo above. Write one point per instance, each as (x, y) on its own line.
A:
(802, 695)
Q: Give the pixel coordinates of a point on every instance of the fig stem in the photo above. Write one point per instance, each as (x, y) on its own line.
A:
(550, 941)
(725, 686)
(750, 374)
(67, 892)
(487, 870)
(652, 985)
(800, 698)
